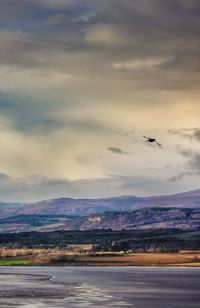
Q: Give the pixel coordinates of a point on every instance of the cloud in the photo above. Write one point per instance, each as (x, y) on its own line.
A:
(197, 134)
(28, 117)
(56, 19)
(58, 3)
(78, 76)
(106, 34)
(36, 188)
(191, 167)
(63, 47)
(194, 162)
(182, 132)
(191, 5)
(116, 150)
(141, 64)
(3, 176)
(189, 133)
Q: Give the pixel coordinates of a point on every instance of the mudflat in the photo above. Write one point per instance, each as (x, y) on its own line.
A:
(139, 287)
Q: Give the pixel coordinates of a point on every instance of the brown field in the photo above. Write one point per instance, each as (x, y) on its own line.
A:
(84, 257)
(148, 259)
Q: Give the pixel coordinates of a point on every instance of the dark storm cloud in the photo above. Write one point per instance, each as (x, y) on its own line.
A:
(11, 10)
(140, 29)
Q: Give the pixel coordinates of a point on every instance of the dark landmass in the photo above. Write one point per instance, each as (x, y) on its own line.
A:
(82, 207)
(145, 218)
(180, 211)
(129, 230)
(108, 240)
(101, 248)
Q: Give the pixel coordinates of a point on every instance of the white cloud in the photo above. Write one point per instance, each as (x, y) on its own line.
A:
(140, 64)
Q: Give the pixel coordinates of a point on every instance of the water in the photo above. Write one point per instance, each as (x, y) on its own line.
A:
(41, 287)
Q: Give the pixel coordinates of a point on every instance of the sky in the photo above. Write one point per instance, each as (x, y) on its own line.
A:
(82, 81)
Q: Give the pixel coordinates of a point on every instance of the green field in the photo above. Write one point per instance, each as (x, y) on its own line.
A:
(14, 262)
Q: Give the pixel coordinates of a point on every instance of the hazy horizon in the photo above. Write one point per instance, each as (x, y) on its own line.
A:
(98, 198)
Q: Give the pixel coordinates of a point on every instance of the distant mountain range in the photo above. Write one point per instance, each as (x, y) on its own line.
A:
(180, 211)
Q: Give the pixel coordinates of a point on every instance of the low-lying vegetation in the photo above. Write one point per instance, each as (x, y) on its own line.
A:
(101, 247)
(14, 262)
(60, 258)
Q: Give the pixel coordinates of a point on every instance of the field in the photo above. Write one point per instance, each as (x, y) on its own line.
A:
(102, 248)
(144, 259)
(14, 262)
(86, 258)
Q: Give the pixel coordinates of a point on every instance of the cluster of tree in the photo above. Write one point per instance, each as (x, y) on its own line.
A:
(131, 246)
(60, 238)
(107, 240)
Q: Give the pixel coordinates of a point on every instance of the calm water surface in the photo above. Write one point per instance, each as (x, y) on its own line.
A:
(35, 287)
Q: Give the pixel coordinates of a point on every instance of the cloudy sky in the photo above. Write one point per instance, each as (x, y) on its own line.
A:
(82, 81)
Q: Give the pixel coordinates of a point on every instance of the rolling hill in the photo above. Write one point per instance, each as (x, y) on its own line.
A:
(141, 219)
(82, 207)
(172, 211)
